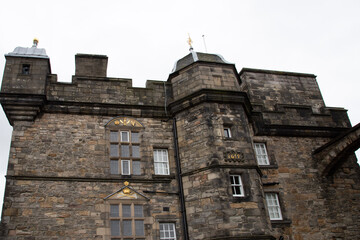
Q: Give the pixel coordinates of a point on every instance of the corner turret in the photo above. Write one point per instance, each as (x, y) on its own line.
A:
(198, 71)
(24, 82)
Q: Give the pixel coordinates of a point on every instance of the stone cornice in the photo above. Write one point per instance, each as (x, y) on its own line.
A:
(105, 109)
(210, 95)
(90, 179)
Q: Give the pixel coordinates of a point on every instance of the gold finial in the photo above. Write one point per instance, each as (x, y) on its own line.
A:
(190, 42)
(35, 42)
(126, 183)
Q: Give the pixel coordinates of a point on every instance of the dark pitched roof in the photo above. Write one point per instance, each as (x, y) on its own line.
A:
(198, 57)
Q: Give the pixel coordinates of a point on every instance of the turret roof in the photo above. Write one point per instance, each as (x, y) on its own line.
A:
(33, 52)
(198, 57)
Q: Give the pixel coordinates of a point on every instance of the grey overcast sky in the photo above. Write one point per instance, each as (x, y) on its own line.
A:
(143, 39)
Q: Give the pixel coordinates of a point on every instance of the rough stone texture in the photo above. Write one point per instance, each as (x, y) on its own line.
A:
(203, 76)
(90, 65)
(59, 169)
(32, 83)
(318, 208)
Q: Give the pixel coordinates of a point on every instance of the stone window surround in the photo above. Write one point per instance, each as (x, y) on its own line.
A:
(274, 207)
(259, 146)
(171, 230)
(166, 163)
(285, 220)
(132, 218)
(121, 160)
(237, 186)
(246, 183)
(166, 219)
(227, 132)
(25, 69)
(270, 154)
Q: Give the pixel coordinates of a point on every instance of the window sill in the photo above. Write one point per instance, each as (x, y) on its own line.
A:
(271, 166)
(156, 176)
(229, 139)
(280, 223)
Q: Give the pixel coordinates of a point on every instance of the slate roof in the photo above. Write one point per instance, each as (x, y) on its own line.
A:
(33, 52)
(198, 57)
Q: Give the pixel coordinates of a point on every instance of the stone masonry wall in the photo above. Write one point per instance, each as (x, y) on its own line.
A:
(64, 145)
(290, 99)
(58, 176)
(317, 208)
(32, 83)
(106, 90)
(48, 209)
(202, 76)
(269, 88)
(212, 211)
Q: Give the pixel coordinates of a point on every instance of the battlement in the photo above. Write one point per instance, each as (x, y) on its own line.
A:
(276, 100)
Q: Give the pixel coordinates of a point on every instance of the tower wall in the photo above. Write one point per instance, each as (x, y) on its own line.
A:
(25, 75)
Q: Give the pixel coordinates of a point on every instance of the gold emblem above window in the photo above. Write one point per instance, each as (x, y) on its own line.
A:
(124, 121)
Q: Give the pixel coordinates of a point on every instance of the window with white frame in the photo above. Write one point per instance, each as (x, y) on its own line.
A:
(273, 205)
(227, 132)
(167, 231)
(161, 162)
(236, 186)
(124, 152)
(127, 221)
(261, 154)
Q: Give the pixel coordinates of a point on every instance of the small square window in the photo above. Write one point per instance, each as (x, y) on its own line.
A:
(236, 186)
(227, 133)
(261, 154)
(167, 231)
(272, 201)
(25, 69)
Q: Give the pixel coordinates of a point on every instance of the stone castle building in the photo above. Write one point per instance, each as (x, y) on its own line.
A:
(211, 153)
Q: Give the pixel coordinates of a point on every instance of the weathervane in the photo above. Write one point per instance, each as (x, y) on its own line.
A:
(35, 42)
(190, 43)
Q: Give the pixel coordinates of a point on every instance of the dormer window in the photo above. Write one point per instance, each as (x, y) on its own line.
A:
(25, 69)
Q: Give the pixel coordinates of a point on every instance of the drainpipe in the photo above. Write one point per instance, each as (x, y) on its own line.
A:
(179, 177)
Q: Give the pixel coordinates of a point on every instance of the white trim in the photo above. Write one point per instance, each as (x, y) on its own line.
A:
(161, 162)
(228, 130)
(273, 205)
(236, 186)
(122, 167)
(167, 229)
(261, 154)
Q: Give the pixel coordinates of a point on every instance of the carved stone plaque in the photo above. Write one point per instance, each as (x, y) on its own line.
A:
(234, 156)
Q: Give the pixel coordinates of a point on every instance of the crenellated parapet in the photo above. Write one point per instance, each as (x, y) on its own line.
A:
(290, 104)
